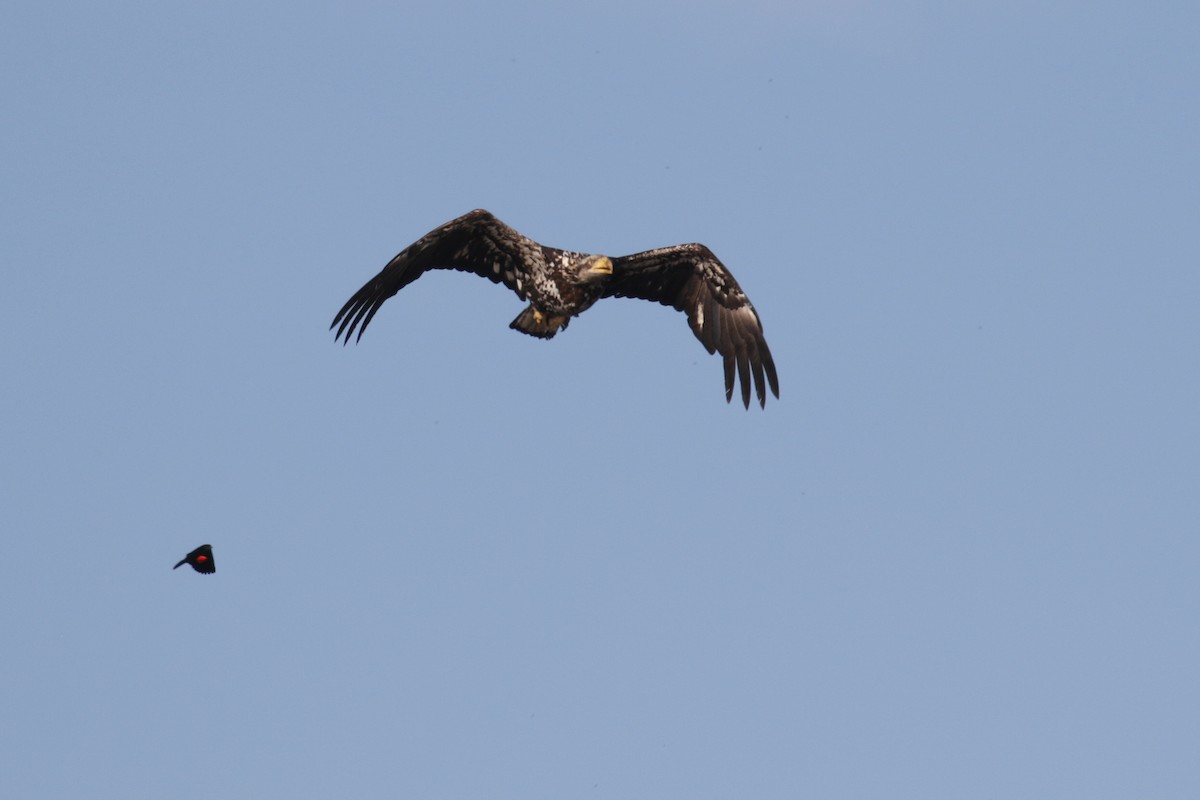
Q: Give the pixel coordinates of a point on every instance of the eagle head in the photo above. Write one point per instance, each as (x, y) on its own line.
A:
(595, 269)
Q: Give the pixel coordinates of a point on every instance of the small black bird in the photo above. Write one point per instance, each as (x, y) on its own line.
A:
(201, 560)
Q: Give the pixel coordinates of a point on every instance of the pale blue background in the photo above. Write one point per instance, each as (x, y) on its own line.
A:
(957, 559)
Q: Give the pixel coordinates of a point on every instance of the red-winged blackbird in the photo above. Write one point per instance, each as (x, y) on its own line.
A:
(201, 560)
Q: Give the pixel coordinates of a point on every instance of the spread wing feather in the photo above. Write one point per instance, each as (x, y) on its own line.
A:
(475, 242)
(689, 278)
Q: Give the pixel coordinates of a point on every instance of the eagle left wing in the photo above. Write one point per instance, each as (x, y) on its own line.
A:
(689, 278)
(476, 242)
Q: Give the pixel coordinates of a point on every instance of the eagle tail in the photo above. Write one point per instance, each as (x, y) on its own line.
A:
(535, 323)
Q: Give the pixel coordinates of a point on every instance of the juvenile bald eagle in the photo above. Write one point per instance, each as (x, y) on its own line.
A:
(560, 284)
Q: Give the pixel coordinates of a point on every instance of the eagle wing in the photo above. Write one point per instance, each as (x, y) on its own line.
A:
(475, 242)
(691, 279)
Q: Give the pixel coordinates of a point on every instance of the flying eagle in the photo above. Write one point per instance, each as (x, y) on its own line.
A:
(560, 284)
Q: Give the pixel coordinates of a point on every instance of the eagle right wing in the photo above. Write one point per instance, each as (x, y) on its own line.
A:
(475, 242)
(689, 278)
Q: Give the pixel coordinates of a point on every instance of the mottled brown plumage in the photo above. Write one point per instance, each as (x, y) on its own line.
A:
(561, 284)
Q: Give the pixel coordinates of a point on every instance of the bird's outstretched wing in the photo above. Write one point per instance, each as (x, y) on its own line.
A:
(475, 242)
(691, 279)
(201, 560)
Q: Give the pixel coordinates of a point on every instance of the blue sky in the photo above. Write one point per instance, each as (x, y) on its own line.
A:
(956, 559)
